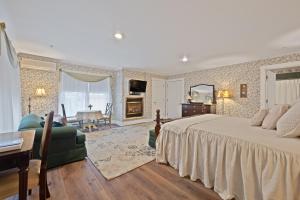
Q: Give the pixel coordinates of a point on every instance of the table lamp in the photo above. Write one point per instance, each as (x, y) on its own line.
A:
(223, 94)
(39, 92)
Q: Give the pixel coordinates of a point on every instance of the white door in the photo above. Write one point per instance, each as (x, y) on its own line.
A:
(158, 97)
(175, 97)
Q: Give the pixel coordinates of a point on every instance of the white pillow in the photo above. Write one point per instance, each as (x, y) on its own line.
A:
(274, 115)
(289, 124)
(259, 117)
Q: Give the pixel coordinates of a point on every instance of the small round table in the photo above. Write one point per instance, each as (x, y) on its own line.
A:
(89, 116)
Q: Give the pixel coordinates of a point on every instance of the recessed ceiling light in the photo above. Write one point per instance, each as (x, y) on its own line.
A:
(118, 36)
(184, 59)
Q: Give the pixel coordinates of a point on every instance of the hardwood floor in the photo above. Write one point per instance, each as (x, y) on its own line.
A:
(81, 180)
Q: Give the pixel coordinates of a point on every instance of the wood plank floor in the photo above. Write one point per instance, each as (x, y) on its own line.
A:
(81, 180)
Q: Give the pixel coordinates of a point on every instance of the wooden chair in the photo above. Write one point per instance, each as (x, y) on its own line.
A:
(37, 172)
(107, 115)
(70, 120)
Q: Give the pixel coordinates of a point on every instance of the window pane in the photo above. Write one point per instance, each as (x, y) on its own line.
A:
(99, 101)
(74, 102)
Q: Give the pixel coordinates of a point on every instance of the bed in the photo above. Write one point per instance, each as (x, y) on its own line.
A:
(236, 160)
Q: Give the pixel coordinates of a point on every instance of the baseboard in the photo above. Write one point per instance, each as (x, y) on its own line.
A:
(131, 122)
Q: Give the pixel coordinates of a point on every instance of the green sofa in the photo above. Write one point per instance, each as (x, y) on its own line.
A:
(67, 143)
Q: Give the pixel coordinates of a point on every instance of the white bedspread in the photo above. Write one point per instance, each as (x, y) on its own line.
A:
(232, 157)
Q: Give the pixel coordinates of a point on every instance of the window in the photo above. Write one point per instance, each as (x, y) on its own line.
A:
(77, 95)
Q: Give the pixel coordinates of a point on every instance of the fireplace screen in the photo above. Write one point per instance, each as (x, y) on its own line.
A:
(134, 107)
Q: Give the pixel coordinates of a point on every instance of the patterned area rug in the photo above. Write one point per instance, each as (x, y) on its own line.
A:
(119, 150)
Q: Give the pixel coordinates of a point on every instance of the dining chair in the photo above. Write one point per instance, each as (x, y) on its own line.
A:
(37, 171)
(107, 114)
(70, 120)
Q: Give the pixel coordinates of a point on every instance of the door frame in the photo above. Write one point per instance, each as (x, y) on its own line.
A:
(165, 103)
(182, 91)
(263, 79)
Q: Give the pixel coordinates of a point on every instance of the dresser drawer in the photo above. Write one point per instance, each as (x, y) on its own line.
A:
(194, 109)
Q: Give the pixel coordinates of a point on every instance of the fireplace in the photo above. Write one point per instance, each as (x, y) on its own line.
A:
(134, 107)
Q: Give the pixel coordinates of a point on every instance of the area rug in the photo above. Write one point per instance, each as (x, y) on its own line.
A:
(119, 150)
(98, 128)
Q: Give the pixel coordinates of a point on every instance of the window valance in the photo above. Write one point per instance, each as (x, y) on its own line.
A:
(86, 77)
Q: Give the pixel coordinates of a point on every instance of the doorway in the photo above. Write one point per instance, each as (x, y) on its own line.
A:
(174, 97)
(158, 97)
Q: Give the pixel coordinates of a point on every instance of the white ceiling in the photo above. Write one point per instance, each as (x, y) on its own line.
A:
(157, 32)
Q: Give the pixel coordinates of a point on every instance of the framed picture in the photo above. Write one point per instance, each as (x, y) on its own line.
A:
(243, 90)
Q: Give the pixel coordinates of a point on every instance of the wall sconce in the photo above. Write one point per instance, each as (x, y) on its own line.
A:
(223, 94)
(243, 90)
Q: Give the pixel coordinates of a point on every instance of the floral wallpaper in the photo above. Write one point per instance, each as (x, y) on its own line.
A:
(226, 77)
(33, 79)
(230, 77)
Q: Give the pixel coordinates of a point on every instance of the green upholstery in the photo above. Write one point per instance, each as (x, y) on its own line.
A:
(67, 144)
(152, 138)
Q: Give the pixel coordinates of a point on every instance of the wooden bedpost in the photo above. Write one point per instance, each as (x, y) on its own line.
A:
(157, 126)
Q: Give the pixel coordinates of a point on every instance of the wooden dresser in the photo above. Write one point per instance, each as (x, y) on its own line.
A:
(190, 109)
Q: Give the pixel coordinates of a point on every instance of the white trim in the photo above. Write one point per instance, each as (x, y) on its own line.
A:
(263, 73)
(38, 65)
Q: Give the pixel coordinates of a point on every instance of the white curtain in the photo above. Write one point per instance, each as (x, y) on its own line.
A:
(10, 88)
(77, 95)
(287, 91)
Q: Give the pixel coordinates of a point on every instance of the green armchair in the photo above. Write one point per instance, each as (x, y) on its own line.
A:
(67, 143)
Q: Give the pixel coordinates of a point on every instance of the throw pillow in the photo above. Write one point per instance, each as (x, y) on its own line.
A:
(54, 124)
(259, 117)
(274, 115)
(289, 124)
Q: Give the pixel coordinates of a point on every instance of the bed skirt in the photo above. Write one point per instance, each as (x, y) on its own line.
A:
(232, 167)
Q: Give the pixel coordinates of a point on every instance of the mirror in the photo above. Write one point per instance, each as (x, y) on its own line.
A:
(203, 94)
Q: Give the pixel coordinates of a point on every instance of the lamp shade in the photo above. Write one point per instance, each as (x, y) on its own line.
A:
(188, 97)
(40, 92)
(224, 94)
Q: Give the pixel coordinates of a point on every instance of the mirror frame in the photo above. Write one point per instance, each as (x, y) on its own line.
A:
(214, 92)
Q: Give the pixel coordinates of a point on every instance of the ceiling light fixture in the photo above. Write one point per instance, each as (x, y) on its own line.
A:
(118, 36)
(184, 59)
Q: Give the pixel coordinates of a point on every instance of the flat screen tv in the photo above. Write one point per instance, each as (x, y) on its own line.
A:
(137, 86)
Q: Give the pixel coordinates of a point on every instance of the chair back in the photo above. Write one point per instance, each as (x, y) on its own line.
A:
(108, 109)
(46, 140)
(63, 110)
(64, 120)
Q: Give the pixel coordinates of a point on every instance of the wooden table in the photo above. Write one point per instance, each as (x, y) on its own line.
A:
(22, 157)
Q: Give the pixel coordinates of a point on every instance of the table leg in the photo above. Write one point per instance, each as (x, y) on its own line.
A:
(23, 164)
